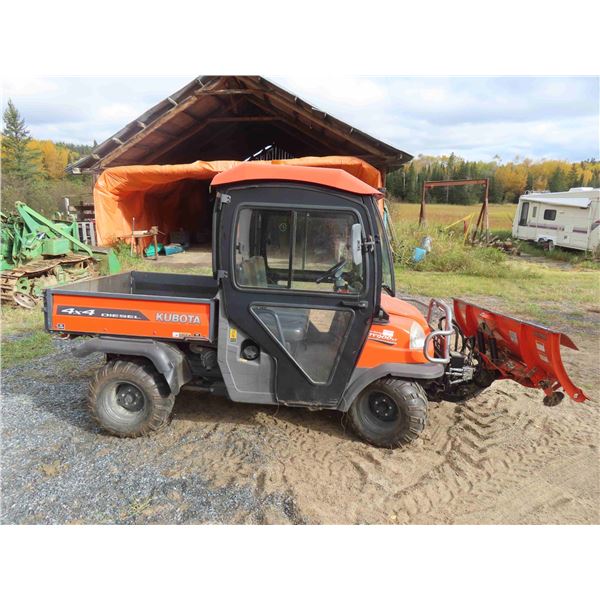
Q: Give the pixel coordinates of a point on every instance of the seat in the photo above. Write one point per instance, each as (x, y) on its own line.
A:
(294, 322)
(252, 272)
(291, 323)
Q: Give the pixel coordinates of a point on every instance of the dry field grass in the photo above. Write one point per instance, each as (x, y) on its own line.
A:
(501, 215)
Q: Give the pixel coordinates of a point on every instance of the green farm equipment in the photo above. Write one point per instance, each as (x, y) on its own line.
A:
(37, 252)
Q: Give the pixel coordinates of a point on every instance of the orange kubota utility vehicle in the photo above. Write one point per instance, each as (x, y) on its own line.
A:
(301, 311)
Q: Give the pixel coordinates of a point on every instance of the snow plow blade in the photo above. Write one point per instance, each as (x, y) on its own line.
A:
(525, 352)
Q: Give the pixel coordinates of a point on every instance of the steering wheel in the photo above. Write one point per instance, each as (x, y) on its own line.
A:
(331, 274)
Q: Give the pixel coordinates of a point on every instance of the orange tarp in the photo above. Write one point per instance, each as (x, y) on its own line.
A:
(168, 195)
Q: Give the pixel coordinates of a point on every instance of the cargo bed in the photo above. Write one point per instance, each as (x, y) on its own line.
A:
(138, 304)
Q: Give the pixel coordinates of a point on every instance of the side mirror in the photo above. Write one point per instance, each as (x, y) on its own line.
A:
(357, 244)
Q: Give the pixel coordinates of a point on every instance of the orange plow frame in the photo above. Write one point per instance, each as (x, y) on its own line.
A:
(518, 350)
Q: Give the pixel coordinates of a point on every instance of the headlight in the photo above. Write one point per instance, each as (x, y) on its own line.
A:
(417, 336)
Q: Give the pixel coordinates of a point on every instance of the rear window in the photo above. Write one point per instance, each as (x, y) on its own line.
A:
(549, 214)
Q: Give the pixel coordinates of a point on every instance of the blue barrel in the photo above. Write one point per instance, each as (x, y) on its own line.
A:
(419, 254)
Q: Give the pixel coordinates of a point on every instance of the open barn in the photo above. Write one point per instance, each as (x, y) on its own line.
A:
(145, 174)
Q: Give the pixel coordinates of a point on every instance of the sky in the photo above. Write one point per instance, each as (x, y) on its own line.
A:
(477, 118)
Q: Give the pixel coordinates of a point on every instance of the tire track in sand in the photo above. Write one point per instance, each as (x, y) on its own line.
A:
(497, 442)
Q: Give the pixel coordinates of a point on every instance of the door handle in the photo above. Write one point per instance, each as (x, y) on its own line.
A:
(361, 304)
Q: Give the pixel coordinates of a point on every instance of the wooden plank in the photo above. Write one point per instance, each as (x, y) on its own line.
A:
(164, 150)
(168, 147)
(177, 139)
(226, 92)
(150, 127)
(293, 127)
(290, 106)
(186, 116)
(314, 120)
(454, 182)
(241, 119)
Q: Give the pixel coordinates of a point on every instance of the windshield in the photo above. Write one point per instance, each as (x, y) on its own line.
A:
(387, 275)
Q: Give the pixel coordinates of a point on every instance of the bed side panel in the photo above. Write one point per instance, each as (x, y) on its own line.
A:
(137, 317)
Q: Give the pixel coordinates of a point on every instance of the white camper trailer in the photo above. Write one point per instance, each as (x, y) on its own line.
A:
(567, 219)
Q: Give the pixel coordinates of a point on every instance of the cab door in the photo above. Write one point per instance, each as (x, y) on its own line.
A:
(294, 285)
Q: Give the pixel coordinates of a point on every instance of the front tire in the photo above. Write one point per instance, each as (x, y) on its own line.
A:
(129, 398)
(389, 413)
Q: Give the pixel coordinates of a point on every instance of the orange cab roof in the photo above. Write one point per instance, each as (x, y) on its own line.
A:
(334, 178)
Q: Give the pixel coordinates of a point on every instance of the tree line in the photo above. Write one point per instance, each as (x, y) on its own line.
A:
(33, 171)
(508, 180)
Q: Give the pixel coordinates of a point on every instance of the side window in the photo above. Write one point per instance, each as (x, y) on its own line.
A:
(296, 249)
(534, 212)
(262, 246)
(550, 215)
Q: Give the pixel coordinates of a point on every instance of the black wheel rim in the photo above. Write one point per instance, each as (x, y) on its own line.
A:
(130, 397)
(382, 407)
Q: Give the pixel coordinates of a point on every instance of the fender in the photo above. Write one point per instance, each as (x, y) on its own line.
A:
(361, 378)
(166, 358)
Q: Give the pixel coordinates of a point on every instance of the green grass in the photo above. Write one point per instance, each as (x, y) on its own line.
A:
(531, 290)
(527, 283)
(528, 290)
(23, 336)
(452, 255)
(20, 320)
(128, 262)
(137, 263)
(487, 276)
(33, 345)
(577, 258)
(22, 331)
(449, 252)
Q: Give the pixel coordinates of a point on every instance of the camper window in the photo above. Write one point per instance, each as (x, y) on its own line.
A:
(534, 212)
(550, 215)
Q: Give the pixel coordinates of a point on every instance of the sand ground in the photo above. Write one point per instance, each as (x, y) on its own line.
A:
(502, 457)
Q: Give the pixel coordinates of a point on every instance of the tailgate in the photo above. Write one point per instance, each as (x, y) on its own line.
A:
(129, 315)
(519, 350)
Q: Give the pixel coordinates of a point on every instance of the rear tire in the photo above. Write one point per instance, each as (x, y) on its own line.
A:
(129, 398)
(390, 412)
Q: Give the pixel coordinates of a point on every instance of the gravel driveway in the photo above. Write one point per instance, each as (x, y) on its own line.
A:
(58, 467)
(502, 458)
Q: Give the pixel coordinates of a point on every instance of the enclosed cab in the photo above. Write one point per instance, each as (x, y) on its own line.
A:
(301, 310)
(565, 219)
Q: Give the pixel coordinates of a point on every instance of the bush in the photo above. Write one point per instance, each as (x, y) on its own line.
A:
(449, 253)
(44, 195)
(123, 251)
